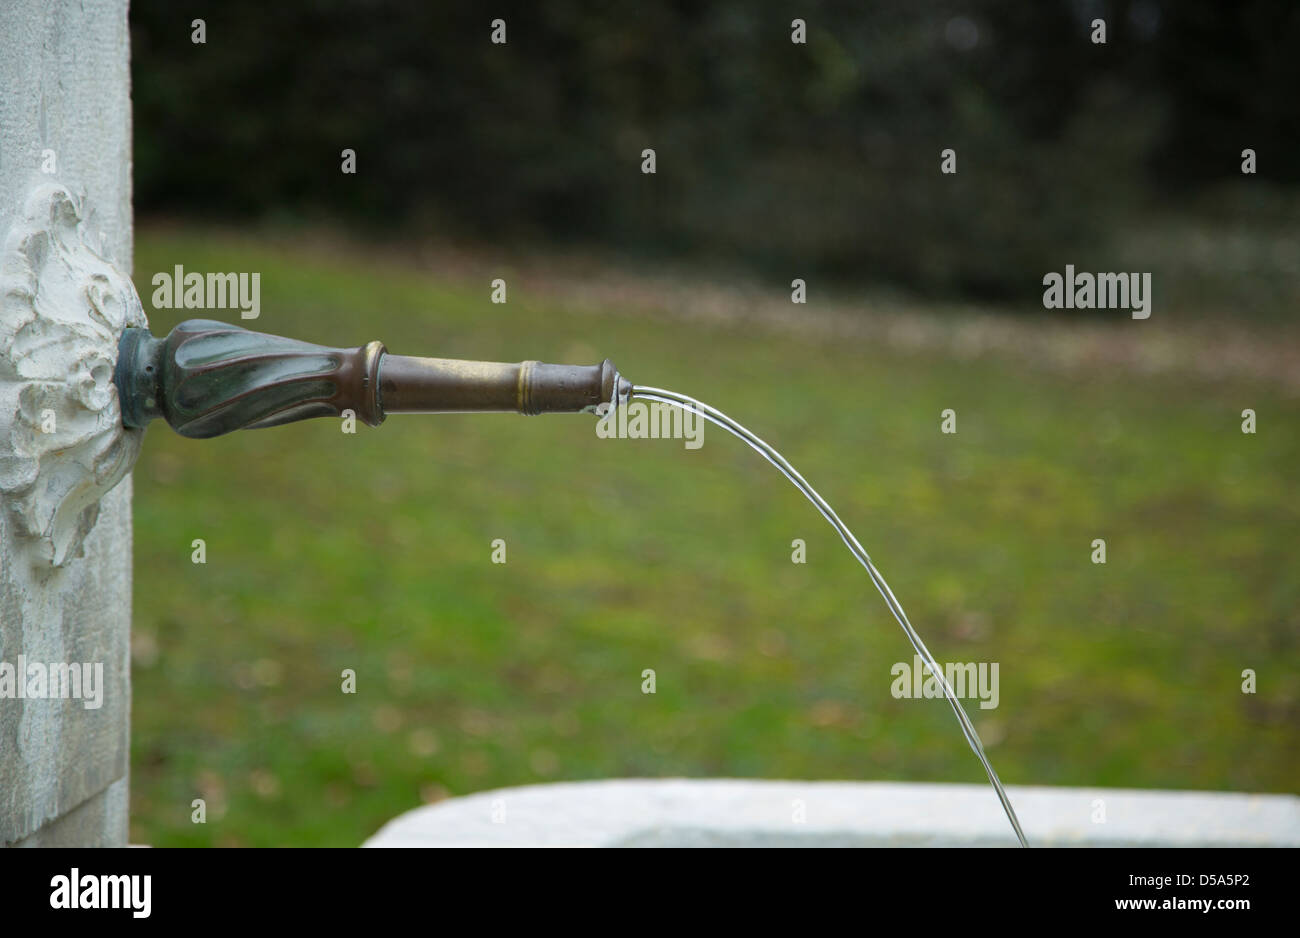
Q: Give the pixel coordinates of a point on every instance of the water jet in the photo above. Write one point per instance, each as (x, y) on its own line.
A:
(206, 378)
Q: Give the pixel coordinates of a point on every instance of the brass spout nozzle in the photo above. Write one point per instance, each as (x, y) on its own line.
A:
(207, 378)
(443, 385)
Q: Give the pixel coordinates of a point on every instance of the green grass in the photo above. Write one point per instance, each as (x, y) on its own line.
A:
(372, 551)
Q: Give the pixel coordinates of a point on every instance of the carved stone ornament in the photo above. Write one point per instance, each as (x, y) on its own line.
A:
(63, 307)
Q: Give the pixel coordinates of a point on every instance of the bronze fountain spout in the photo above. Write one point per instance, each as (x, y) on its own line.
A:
(207, 378)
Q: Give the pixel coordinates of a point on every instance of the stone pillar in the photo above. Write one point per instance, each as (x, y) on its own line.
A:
(65, 492)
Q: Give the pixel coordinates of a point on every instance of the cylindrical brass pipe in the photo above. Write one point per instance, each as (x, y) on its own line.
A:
(446, 385)
(207, 378)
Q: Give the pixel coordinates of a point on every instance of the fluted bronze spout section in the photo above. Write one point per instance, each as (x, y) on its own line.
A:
(207, 378)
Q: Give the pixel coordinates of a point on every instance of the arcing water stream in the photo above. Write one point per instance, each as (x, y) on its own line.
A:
(717, 417)
(248, 379)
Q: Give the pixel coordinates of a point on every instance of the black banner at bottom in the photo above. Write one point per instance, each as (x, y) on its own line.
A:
(661, 888)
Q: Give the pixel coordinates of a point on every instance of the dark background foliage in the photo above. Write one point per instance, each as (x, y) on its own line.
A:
(821, 157)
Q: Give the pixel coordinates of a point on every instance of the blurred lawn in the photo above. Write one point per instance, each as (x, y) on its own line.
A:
(372, 552)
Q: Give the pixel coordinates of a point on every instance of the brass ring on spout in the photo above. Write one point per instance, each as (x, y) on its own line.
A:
(524, 390)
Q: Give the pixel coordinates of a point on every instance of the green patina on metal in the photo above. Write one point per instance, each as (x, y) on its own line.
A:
(206, 378)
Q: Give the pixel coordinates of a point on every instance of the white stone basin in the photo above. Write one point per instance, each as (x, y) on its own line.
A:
(744, 813)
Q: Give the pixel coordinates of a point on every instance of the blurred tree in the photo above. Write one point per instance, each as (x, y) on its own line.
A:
(822, 157)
